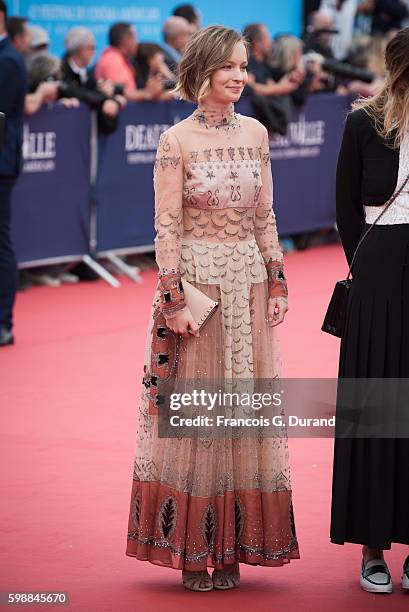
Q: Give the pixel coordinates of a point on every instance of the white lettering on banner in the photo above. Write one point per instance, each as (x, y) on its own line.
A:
(141, 158)
(303, 139)
(104, 12)
(39, 150)
(141, 142)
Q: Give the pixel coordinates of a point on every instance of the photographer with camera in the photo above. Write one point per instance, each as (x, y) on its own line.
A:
(269, 88)
(319, 34)
(330, 74)
(342, 13)
(40, 91)
(150, 62)
(115, 65)
(79, 82)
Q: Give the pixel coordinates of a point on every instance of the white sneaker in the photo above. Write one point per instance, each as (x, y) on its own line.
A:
(68, 277)
(45, 279)
(375, 576)
(405, 574)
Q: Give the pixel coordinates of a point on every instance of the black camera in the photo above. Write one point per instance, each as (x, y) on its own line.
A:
(119, 89)
(347, 72)
(169, 84)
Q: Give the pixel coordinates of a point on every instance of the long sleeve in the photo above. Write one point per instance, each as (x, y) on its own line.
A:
(350, 212)
(265, 227)
(168, 185)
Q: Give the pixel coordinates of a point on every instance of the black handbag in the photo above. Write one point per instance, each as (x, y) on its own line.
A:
(334, 320)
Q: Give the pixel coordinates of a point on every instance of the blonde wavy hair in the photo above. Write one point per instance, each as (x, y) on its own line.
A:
(389, 107)
(206, 51)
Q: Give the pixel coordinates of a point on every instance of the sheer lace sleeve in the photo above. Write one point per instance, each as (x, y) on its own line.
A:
(168, 185)
(266, 229)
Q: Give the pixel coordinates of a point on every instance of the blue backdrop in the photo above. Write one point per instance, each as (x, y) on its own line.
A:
(51, 200)
(57, 16)
(124, 188)
(303, 164)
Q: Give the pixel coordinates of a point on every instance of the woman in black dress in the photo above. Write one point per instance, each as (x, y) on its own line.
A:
(370, 494)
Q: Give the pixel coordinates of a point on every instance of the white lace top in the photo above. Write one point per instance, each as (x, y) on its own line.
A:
(398, 211)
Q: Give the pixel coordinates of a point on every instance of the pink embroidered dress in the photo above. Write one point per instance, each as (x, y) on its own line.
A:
(199, 502)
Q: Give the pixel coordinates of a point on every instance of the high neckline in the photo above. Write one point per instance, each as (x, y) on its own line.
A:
(216, 117)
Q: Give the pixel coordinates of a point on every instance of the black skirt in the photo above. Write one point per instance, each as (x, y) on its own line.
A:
(370, 487)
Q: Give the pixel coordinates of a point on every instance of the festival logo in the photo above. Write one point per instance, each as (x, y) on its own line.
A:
(141, 142)
(39, 150)
(303, 139)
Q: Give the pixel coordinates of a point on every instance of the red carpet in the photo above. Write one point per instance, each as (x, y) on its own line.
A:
(68, 393)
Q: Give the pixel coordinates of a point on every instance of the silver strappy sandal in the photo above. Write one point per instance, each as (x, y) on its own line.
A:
(197, 581)
(226, 579)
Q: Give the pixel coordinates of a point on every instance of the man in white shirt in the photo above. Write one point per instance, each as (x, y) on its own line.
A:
(342, 13)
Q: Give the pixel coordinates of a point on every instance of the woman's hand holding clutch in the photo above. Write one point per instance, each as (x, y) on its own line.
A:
(277, 308)
(182, 322)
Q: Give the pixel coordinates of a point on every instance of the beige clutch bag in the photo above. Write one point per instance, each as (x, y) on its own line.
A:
(200, 305)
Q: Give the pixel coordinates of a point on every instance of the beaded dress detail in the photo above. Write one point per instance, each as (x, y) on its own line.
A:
(199, 502)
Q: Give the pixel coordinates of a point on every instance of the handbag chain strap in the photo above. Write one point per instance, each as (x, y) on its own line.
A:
(390, 201)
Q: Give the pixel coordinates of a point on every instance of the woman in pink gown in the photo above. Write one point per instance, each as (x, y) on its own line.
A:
(199, 502)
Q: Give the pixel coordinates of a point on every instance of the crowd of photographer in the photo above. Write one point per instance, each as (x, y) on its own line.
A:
(341, 51)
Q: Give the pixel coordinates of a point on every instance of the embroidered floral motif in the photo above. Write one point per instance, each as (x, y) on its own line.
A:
(238, 517)
(136, 509)
(281, 482)
(163, 144)
(237, 154)
(163, 160)
(208, 525)
(189, 196)
(257, 189)
(216, 119)
(235, 193)
(168, 517)
(208, 154)
(213, 200)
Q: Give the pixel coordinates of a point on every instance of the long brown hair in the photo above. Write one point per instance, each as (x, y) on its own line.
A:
(389, 108)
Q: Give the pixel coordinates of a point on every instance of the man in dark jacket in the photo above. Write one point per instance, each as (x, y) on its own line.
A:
(13, 79)
(79, 82)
